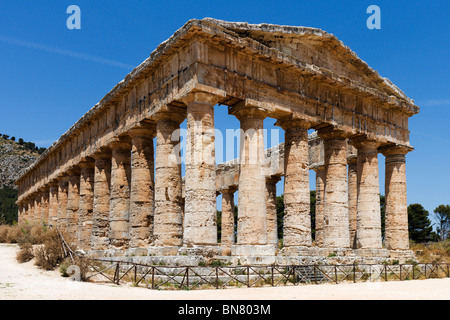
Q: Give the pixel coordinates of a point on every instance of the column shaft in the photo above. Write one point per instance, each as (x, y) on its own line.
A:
(200, 213)
(168, 222)
(119, 214)
(142, 187)
(297, 219)
(85, 222)
(227, 230)
(396, 228)
(271, 204)
(102, 183)
(73, 202)
(320, 193)
(368, 232)
(62, 202)
(335, 206)
(53, 204)
(352, 200)
(252, 214)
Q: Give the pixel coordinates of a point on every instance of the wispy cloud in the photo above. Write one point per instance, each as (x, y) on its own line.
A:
(63, 52)
(436, 102)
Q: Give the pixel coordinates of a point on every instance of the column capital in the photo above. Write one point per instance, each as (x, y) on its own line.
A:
(331, 132)
(273, 179)
(228, 189)
(287, 123)
(200, 97)
(122, 142)
(363, 143)
(143, 130)
(395, 150)
(102, 153)
(87, 162)
(248, 112)
(175, 114)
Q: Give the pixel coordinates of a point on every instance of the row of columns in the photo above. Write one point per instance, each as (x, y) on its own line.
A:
(112, 199)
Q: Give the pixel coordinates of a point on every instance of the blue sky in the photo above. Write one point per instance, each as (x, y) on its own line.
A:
(50, 75)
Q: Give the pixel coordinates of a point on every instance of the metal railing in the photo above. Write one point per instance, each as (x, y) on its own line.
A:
(223, 276)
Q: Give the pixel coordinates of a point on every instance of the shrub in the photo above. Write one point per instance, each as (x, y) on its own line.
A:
(50, 253)
(25, 254)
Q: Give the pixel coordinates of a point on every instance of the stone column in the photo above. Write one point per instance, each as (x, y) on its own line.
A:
(168, 221)
(119, 214)
(297, 219)
(73, 201)
(85, 223)
(396, 228)
(62, 201)
(271, 204)
(320, 193)
(37, 208)
(335, 206)
(227, 230)
(20, 212)
(100, 215)
(368, 230)
(252, 215)
(352, 199)
(53, 203)
(30, 215)
(200, 213)
(142, 185)
(44, 204)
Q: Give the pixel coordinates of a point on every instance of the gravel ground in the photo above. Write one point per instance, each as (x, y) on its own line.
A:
(27, 282)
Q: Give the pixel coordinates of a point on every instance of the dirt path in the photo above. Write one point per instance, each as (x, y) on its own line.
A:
(26, 281)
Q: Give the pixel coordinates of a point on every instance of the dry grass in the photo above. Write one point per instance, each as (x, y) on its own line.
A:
(432, 252)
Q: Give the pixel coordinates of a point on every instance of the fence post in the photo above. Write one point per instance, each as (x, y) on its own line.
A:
(153, 277)
(187, 277)
(248, 276)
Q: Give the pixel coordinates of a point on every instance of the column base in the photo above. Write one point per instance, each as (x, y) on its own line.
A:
(248, 254)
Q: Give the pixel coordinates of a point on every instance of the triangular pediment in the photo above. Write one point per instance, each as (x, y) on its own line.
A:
(318, 50)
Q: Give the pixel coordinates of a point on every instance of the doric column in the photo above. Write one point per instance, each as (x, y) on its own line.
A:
(168, 221)
(352, 199)
(142, 185)
(53, 203)
(44, 204)
(37, 217)
(85, 211)
(335, 206)
(20, 211)
(119, 213)
(368, 224)
(63, 185)
(200, 213)
(252, 214)
(320, 193)
(396, 227)
(271, 205)
(73, 201)
(227, 227)
(297, 219)
(30, 214)
(102, 183)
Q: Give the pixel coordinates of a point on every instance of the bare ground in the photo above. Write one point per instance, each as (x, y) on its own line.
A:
(27, 282)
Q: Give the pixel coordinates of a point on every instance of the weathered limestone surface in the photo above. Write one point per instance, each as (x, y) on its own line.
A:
(368, 231)
(297, 221)
(119, 215)
(257, 71)
(335, 206)
(102, 191)
(396, 228)
(252, 218)
(142, 186)
(271, 205)
(227, 230)
(200, 225)
(86, 203)
(168, 222)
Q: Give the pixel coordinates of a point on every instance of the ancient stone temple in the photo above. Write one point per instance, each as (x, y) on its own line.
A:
(107, 183)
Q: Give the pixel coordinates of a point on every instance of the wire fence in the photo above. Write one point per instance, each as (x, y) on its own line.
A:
(225, 276)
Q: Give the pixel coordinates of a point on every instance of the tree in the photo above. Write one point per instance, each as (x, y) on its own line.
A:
(442, 215)
(419, 225)
(8, 207)
(20, 141)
